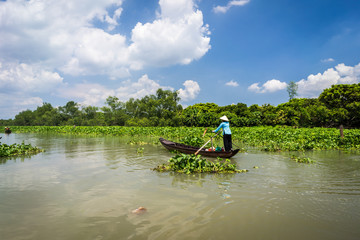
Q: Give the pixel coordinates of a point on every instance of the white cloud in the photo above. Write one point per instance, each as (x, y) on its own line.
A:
(96, 94)
(87, 93)
(268, 87)
(20, 85)
(144, 86)
(230, 4)
(16, 103)
(44, 41)
(328, 60)
(61, 35)
(254, 88)
(190, 92)
(27, 78)
(179, 36)
(232, 84)
(315, 84)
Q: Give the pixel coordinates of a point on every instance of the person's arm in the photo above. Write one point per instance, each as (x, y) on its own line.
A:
(220, 126)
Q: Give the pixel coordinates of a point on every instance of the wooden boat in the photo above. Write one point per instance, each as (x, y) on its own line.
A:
(7, 130)
(191, 150)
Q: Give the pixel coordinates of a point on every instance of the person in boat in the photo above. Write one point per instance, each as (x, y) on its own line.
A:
(7, 130)
(225, 126)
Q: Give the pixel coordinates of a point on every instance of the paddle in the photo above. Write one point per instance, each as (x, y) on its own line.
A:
(204, 132)
(206, 143)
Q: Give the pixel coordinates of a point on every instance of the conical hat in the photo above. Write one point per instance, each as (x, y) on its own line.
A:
(224, 118)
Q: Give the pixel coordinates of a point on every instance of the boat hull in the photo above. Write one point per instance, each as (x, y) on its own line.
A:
(191, 150)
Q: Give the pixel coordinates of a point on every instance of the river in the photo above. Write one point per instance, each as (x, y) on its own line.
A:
(87, 188)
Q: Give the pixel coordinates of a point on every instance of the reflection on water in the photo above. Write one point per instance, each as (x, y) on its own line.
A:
(87, 188)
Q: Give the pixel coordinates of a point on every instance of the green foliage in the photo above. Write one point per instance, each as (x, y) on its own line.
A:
(339, 105)
(140, 150)
(192, 141)
(17, 149)
(297, 139)
(344, 102)
(161, 109)
(302, 159)
(267, 138)
(292, 89)
(185, 163)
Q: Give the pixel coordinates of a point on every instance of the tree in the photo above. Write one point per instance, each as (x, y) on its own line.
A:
(115, 113)
(46, 115)
(24, 118)
(344, 102)
(70, 113)
(161, 109)
(292, 89)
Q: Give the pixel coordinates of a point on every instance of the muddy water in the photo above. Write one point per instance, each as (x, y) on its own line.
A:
(87, 188)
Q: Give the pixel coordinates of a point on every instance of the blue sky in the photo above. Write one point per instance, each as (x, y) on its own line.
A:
(216, 51)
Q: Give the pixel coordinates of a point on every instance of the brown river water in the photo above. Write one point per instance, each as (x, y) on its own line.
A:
(88, 188)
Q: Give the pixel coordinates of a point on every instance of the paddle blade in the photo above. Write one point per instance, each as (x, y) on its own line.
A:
(204, 132)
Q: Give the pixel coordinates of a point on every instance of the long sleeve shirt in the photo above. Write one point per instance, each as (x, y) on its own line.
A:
(225, 126)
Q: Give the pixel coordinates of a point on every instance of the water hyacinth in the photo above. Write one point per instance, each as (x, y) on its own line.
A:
(185, 163)
(17, 149)
(278, 138)
(302, 159)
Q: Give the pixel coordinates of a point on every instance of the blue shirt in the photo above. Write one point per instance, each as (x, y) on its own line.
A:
(225, 126)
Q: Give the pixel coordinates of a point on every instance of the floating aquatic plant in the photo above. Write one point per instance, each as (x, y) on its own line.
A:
(302, 159)
(264, 138)
(140, 150)
(186, 163)
(17, 149)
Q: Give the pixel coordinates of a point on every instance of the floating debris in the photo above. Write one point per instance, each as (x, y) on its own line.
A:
(139, 210)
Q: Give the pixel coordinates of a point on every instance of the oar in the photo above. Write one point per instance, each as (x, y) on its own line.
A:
(204, 132)
(206, 143)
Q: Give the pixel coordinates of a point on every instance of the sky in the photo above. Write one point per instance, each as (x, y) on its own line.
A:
(216, 51)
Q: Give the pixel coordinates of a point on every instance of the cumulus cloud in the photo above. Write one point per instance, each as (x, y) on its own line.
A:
(142, 87)
(17, 102)
(315, 84)
(232, 84)
(27, 78)
(20, 85)
(179, 36)
(89, 94)
(44, 41)
(62, 35)
(268, 87)
(230, 4)
(96, 94)
(190, 92)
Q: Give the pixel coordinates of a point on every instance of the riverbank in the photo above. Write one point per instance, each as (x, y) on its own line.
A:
(266, 138)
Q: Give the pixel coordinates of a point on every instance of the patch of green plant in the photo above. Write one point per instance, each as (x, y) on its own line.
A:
(186, 163)
(277, 138)
(18, 149)
(302, 159)
(136, 142)
(192, 141)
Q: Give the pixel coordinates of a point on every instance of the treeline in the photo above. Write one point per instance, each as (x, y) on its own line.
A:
(338, 105)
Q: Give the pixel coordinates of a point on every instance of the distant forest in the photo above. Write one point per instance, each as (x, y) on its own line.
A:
(338, 105)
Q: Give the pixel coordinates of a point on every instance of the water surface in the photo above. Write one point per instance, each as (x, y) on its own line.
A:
(87, 188)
